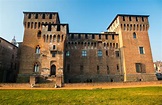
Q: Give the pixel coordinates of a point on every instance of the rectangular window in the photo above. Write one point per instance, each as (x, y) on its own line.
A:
(49, 27)
(79, 36)
(117, 67)
(117, 53)
(67, 53)
(93, 36)
(137, 19)
(141, 50)
(99, 36)
(84, 53)
(142, 19)
(50, 16)
(106, 36)
(123, 18)
(54, 47)
(53, 54)
(43, 16)
(58, 27)
(86, 36)
(138, 67)
(99, 53)
(130, 18)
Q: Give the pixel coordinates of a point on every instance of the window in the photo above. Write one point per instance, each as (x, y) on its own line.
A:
(117, 53)
(28, 24)
(39, 34)
(67, 53)
(134, 35)
(140, 68)
(72, 36)
(117, 67)
(81, 68)
(54, 47)
(53, 54)
(37, 51)
(36, 67)
(142, 19)
(86, 36)
(137, 19)
(99, 53)
(98, 69)
(84, 53)
(79, 36)
(112, 37)
(141, 50)
(35, 25)
(124, 27)
(107, 53)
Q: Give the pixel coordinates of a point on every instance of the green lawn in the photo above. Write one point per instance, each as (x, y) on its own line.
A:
(122, 96)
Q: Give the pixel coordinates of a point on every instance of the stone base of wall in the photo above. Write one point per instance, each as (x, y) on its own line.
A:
(23, 78)
(94, 78)
(141, 77)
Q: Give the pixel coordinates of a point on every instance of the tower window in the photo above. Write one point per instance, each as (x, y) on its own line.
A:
(67, 53)
(107, 53)
(93, 36)
(29, 16)
(39, 34)
(36, 67)
(53, 54)
(130, 18)
(72, 36)
(86, 36)
(37, 50)
(84, 53)
(141, 50)
(106, 36)
(79, 36)
(143, 19)
(117, 53)
(108, 72)
(54, 47)
(137, 19)
(50, 16)
(58, 27)
(99, 36)
(49, 27)
(117, 67)
(140, 68)
(134, 35)
(99, 53)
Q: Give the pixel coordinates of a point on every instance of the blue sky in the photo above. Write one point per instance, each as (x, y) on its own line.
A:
(83, 16)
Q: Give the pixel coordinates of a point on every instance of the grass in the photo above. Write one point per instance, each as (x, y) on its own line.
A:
(122, 96)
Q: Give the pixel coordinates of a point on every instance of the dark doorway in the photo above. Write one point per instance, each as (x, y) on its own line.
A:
(53, 70)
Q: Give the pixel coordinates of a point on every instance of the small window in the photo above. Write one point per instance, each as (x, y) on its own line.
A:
(54, 47)
(99, 53)
(134, 35)
(72, 36)
(39, 34)
(37, 51)
(86, 36)
(107, 53)
(108, 71)
(117, 67)
(141, 50)
(117, 53)
(67, 53)
(79, 37)
(84, 53)
(28, 24)
(138, 67)
(112, 37)
(53, 54)
(36, 67)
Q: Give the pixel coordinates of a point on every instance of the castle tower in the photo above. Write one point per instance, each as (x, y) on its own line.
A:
(42, 49)
(136, 57)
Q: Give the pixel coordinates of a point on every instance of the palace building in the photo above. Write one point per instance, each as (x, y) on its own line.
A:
(49, 50)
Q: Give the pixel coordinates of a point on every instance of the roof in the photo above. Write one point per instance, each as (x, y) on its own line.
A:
(8, 42)
(126, 15)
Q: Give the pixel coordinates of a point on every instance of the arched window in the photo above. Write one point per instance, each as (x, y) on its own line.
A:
(39, 34)
(134, 35)
(28, 24)
(131, 27)
(36, 67)
(140, 27)
(124, 27)
(50, 38)
(37, 50)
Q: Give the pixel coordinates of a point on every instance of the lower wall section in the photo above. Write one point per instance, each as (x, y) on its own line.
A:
(23, 78)
(141, 77)
(94, 78)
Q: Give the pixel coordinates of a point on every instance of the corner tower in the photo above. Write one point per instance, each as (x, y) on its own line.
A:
(136, 57)
(42, 49)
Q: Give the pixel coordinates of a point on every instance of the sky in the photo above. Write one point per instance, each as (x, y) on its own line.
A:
(83, 16)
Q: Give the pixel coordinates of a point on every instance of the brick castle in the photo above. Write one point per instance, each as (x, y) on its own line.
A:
(49, 50)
